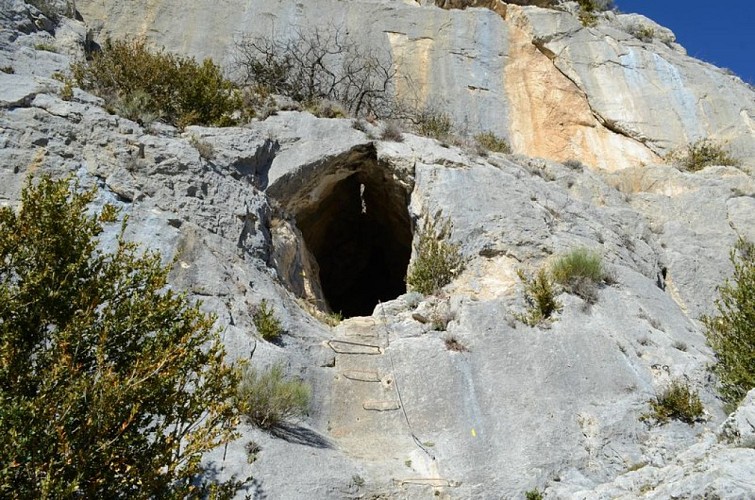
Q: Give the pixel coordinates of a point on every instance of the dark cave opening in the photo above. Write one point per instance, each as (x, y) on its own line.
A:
(359, 231)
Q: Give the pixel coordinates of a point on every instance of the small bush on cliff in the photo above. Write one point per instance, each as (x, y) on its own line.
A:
(701, 154)
(731, 333)
(540, 296)
(111, 385)
(267, 324)
(437, 262)
(579, 272)
(492, 143)
(268, 399)
(677, 401)
(180, 90)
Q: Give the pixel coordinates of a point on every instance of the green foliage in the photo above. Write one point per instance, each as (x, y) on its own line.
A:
(267, 324)
(491, 142)
(677, 401)
(540, 295)
(701, 154)
(180, 90)
(579, 271)
(731, 333)
(437, 262)
(533, 494)
(47, 47)
(111, 386)
(267, 399)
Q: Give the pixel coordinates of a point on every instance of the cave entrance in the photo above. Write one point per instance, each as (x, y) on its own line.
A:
(359, 232)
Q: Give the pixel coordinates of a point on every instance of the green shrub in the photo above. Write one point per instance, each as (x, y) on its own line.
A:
(533, 494)
(267, 324)
(491, 142)
(677, 401)
(437, 262)
(540, 295)
(579, 271)
(701, 154)
(112, 386)
(267, 399)
(180, 90)
(731, 333)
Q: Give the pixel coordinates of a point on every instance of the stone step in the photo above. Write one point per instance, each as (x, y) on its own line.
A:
(351, 347)
(362, 375)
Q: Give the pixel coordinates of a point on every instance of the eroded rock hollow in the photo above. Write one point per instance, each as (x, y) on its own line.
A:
(358, 229)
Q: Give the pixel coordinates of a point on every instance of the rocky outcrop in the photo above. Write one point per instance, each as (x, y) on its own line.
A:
(615, 95)
(396, 412)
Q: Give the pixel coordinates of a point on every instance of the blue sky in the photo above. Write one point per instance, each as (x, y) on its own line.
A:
(721, 32)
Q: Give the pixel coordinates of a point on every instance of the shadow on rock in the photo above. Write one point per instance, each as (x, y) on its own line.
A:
(300, 435)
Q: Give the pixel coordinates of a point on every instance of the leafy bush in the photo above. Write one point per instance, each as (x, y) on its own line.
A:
(677, 401)
(437, 261)
(491, 142)
(731, 334)
(268, 326)
(701, 154)
(540, 295)
(267, 399)
(180, 90)
(112, 386)
(579, 272)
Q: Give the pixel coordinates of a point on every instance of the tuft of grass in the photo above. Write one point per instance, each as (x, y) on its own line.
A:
(700, 154)
(204, 148)
(492, 143)
(392, 132)
(677, 401)
(8, 70)
(437, 262)
(433, 124)
(47, 47)
(540, 295)
(579, 272)
(267, 399)
(267, 324)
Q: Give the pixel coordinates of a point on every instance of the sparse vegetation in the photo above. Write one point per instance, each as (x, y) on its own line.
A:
(492, 143)
(533, 494)
(204, 148)
(8, 70)
(731, 333)
(267, 324)
(112, 385)
(701, 154)
(579, 272)
(268, 399)
(453, 344)
(677, 401)
(179, 90)
(433, 124)
(540, 295)
(642, 32)
(324, 62)
(47, 47)
(437, 262)
(392, 132)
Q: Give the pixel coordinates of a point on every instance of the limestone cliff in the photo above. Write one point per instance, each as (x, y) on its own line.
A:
(309, 213)
(555, 88)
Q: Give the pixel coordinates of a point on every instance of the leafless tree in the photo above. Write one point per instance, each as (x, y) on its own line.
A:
(322, 62)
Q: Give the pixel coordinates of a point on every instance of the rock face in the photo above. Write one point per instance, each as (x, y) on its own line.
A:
(445, 395)
(556, 89)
